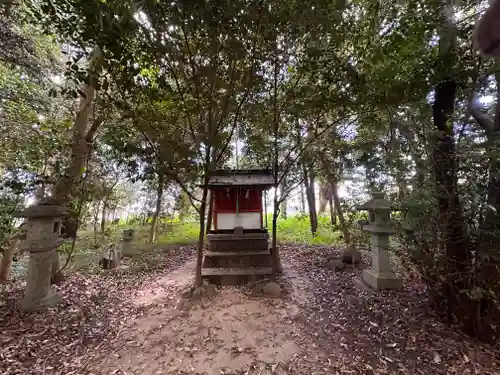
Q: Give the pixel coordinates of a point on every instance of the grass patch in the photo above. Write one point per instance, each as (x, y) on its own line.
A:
(180, 234)
(89, 249)
(297, 229)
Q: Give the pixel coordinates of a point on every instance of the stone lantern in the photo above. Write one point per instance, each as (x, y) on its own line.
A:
(43, 230)
(381, 275)
(128, 236)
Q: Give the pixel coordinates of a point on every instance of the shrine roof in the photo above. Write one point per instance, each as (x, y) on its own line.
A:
(241, 177)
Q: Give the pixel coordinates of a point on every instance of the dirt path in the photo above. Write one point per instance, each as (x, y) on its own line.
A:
(230, 333)
(133, 323)
(323, 325)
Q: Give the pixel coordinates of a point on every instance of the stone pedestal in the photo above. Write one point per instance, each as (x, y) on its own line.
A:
(38, 293)
(127, 241)
(43, 231)
(381, 275)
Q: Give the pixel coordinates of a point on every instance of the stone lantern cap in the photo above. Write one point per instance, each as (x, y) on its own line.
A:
(377, 202)
(128, 234)
(47, 209)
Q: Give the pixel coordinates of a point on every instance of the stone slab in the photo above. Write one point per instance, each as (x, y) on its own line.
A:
(237, 236)
(381, 281)
(236, 271)
(235, 253)
(50, 299)
(235, 276)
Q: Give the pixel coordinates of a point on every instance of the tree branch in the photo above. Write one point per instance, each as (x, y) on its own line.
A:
(170, 68)
(291, 188)
(169, 169)
(240, 104)
(311, 140)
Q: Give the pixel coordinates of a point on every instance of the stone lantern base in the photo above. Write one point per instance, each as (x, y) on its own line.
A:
(381, 280)
(38, 292)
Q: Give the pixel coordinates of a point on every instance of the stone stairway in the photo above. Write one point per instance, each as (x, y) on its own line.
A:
(237, 258)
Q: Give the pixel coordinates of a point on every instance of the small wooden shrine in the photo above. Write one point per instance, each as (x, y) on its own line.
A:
(238, 241)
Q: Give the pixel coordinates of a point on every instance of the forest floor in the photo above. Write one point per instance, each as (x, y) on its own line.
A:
(129, 322)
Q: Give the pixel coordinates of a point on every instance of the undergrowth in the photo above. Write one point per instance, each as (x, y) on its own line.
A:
(89, 247)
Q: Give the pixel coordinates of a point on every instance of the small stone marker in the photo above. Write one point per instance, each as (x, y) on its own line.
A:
(128, 236)
(110, 258)
(272, 289)
(381, 275)
(336, 265)
(43, 232)
(350, 256)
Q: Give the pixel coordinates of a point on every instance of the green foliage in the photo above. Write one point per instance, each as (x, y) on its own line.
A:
(181, 234)
(297, 229)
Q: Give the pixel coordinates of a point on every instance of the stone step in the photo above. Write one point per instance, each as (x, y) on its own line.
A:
(236, 253)
(237, 259)
(235, 276)
(219, 243)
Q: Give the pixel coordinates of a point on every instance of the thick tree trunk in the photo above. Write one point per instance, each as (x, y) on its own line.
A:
(491, 226)
(183, 206)
(156, 214)
(80, 146)
(80, 142)
(488, 263)
(445, 168)
(274, 246)
(201, 237)
(455, 266)
(6, 262)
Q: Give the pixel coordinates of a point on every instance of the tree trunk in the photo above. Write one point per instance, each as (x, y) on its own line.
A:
(488, 258)
(183, 206)
(80, 146)
(311, 200)
(156, 214)
(323, 197)
(302, 199)
(455, 266)
(103, 214)
(333, 217)
(201, 237)
(336, 200)
(96, 220)
(283, 207)
(274, 246)
(210, 212)
(6, 261)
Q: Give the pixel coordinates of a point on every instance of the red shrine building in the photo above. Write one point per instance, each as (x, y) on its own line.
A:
(238, 199)
(238, 240)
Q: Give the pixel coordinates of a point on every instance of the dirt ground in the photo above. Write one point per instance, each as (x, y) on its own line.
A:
(220, 335)
(322, 325)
